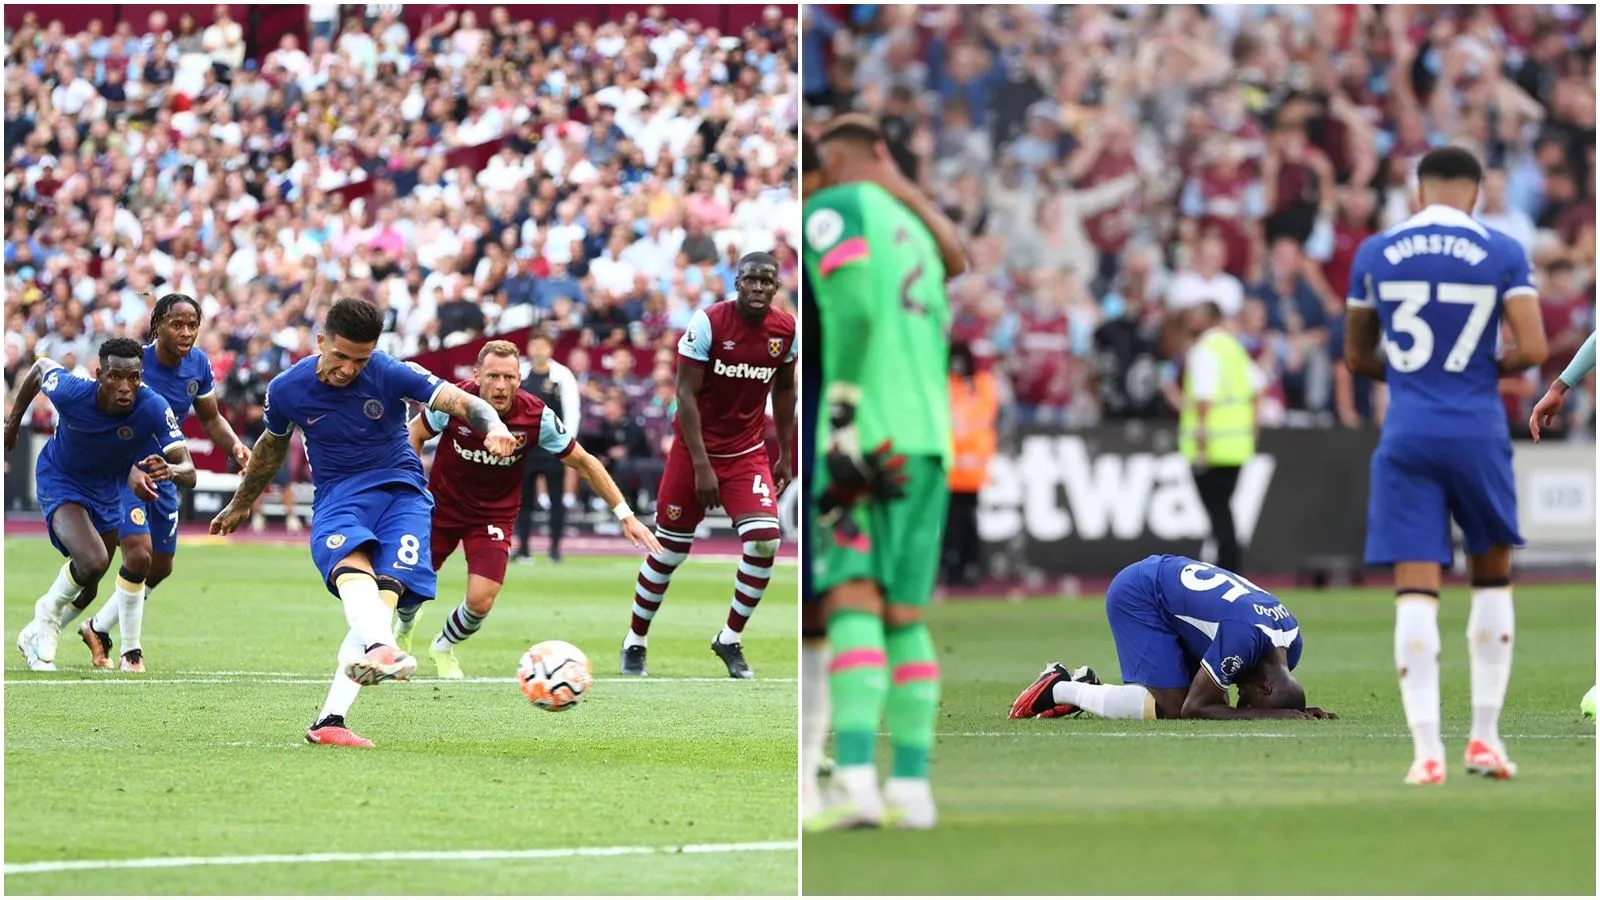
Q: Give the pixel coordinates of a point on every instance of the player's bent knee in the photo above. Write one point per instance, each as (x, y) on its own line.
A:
(898, 615)
(136, 562)
(160, 569)
(859, 595)
(766, 548)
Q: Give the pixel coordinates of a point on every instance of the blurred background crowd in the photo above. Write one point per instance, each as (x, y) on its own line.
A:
(1110, 164)
(590, 177)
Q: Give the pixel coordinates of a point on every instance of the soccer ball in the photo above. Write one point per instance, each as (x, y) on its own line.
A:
(1587, 706)
(554, 675)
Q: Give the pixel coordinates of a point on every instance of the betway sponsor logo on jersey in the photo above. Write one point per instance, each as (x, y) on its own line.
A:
(485, 458)
(1052, 489)
(743, 370)
(1435, 245)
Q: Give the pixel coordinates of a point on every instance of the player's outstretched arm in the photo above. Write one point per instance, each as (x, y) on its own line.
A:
(1363, 335)
(417, 432)
(175, 465)
(26, 392)
(477, 412)
(1544, 412)
(219, 431)
(265, 459)
(594, 471)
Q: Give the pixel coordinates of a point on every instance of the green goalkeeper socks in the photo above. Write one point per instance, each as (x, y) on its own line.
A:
(857, 682)
(913, 699)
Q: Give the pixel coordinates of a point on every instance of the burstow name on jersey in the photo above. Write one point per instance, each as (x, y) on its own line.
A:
(743, 370)
(1435, 245)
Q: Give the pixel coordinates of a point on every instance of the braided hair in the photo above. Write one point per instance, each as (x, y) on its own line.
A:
(164, 307)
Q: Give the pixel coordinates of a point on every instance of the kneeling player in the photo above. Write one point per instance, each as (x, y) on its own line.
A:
(1185, 632)
(477, 495)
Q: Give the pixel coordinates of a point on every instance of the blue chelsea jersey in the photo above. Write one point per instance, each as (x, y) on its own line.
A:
(1222, 619)
(1439, 281)
(180, 385)
(93, 446)
(356, 435)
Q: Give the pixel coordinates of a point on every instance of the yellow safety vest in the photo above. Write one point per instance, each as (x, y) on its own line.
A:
(1230, 425)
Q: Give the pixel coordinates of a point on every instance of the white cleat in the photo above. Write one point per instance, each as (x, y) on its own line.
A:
(852, 801)
(28, 646)
(380, 665)
(910, 804)
(1489, 761)
(1426, 771)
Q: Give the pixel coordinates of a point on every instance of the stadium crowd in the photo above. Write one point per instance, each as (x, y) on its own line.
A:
(1109, 164)
(476, 178)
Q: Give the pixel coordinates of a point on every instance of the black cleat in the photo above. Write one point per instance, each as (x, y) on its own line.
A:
(555, 555)
(633, 661)
(733, 656)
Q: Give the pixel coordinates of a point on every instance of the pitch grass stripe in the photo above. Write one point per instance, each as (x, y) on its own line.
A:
(1224, 735)
(295, 859)
(12, 682)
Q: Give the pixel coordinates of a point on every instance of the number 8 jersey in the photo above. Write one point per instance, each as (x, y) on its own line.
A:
(1439, 281)
(879, 286)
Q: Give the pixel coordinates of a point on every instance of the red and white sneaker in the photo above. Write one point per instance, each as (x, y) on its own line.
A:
(332, 731)
(1036, 701)
(380, 664)
(1489, 761)
(1426, 771)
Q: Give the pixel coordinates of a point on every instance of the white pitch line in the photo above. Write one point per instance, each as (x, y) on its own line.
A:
(1222, 735)
(323, 679)
(184, 862)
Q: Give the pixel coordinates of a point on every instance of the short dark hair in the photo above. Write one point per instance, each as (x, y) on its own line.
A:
(353, 319)
(1450, 164)
(757, 258)
(857, 127)
(163, 307)
(121, 348)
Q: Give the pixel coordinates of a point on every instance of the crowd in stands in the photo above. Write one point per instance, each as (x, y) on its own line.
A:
(475, 178)
(1109, 164)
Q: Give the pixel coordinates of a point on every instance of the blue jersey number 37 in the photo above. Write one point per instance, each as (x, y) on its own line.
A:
(1412, 297)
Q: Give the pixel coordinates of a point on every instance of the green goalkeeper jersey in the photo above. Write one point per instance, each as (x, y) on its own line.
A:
(879, 286)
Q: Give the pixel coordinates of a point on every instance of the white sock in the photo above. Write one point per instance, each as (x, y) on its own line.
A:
(635, 640)
(1108, 701)
(107, 618)
(1416, 656)
(342, 693)
(130, 597)
(728, 636)
(366, 612)
(814, 720)
(1491, 633)
(63, 590)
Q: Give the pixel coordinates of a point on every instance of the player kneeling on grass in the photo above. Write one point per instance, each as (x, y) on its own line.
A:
(477, 494)
(1185, 632)
(106, 426)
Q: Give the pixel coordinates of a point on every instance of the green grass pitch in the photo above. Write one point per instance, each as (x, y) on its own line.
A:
(204, 755)
(1082, 806)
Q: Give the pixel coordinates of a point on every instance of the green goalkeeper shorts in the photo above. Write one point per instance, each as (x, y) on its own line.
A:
(900, 544)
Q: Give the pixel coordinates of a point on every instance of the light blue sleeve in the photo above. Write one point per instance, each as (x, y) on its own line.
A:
(1581, 365)
(696, 341)
(436, 421)
(794, 350)
(553, 436)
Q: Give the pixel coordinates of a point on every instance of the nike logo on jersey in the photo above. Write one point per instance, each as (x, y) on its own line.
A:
(315, 419)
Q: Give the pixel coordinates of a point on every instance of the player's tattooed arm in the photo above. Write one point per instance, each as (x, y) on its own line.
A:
(220, 431)
(266, 458)
(23, 398)
(1363, 334)
(475, 411)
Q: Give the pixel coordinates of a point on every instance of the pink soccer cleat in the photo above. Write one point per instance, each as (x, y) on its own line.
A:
(1489, 761)
(380, 664)
(1426, 771)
